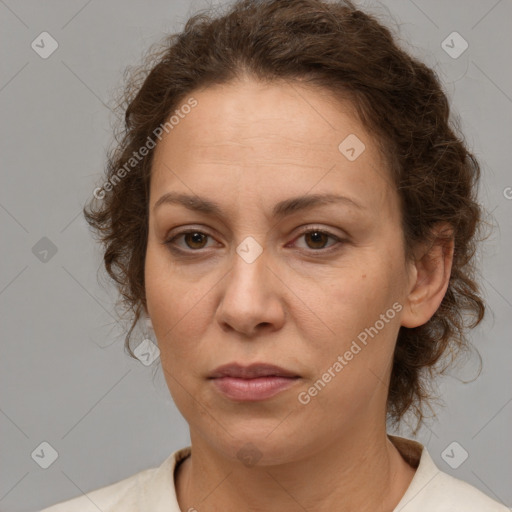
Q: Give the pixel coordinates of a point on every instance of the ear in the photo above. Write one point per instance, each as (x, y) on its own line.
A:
(429, 277)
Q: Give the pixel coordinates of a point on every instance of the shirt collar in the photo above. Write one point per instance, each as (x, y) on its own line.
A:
(160, 491)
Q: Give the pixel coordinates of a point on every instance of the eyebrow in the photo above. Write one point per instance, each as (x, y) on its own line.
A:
(280, 210)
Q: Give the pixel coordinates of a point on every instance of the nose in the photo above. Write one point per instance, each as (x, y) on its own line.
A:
(252, 300)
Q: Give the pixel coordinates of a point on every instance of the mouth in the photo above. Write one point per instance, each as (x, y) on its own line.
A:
(256, 382)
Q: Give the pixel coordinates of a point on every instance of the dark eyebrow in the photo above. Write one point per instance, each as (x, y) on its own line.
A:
(281, 209)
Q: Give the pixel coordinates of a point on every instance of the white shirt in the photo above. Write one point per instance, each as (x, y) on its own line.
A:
(153, 490)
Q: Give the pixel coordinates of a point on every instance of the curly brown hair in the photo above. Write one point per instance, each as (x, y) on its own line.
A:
(338, 47)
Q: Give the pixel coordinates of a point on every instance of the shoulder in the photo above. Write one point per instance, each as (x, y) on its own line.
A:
(448, 494)
(433, 489)
(104, 498)
(141, 491)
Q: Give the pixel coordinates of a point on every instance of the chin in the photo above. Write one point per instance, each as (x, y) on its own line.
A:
(262, 442)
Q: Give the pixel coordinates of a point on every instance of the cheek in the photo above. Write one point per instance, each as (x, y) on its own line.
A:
(361, 293)
(165, 297)
(173, 309)
(177, 305)
(364, 307)
(166, 290)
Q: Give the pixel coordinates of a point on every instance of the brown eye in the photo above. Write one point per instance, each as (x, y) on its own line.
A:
(318, 239)
(191, 241)
(195, 239)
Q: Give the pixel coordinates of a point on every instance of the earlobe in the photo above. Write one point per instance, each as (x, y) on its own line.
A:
(431, 277)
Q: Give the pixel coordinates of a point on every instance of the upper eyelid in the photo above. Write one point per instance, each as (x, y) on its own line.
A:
(303, 228)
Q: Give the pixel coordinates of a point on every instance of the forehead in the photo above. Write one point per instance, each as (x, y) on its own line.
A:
(272, 137)
(280, 113)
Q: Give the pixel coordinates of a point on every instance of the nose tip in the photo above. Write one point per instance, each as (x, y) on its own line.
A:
(249, 303)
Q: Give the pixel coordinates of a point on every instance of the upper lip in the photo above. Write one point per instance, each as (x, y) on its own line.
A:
(250, 372)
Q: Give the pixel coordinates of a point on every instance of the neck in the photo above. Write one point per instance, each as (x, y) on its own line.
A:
(363, 473)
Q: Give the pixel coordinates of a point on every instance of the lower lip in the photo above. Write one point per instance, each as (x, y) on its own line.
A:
(255, 389)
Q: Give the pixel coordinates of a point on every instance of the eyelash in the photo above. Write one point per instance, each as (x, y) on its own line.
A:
(170, 242)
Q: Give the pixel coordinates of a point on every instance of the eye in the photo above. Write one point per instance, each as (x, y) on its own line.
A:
(316, 239)
(193, 239)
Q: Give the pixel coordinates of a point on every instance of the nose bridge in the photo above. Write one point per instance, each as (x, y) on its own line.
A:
(249, 267)
(248, 299)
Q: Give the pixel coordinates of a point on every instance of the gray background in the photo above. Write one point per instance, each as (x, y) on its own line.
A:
(65, 378)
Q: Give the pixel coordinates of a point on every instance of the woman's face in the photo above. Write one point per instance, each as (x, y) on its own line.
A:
(315, 288)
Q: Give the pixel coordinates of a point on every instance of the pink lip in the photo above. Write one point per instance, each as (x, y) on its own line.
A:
(258, 381)
(251, 371)
(252, 390)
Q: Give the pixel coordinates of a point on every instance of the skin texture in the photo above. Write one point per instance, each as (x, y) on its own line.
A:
(299, 305)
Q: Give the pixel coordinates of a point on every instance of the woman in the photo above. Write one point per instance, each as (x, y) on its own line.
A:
(292, 211)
